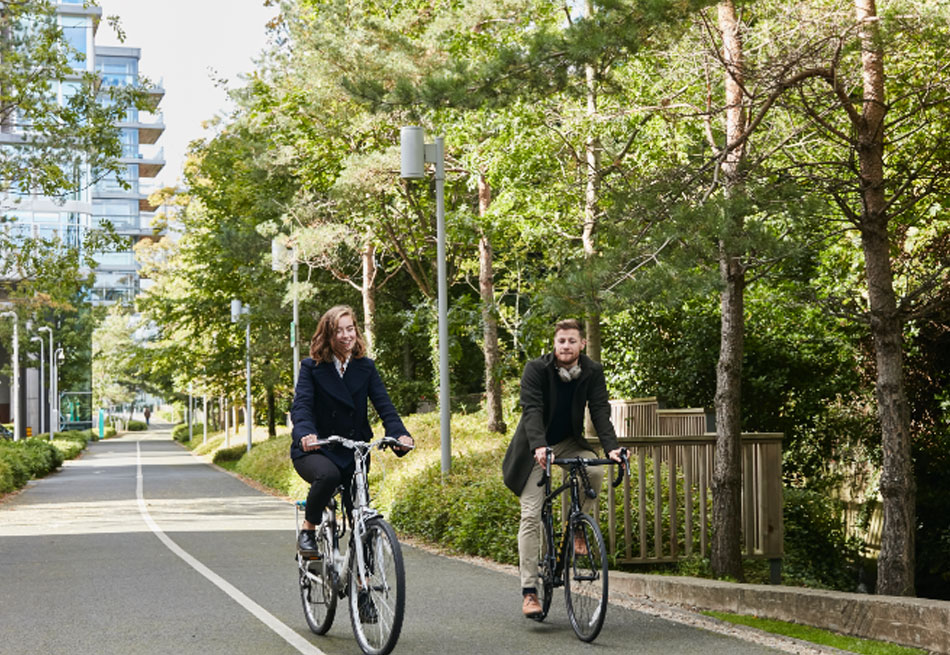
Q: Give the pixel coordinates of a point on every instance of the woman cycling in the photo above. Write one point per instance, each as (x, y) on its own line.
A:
(333, 388)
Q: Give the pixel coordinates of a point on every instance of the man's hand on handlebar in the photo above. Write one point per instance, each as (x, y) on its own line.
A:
(541, 456)
(619, 455)
(309, 442)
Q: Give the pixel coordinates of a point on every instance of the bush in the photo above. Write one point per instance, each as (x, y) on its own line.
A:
(6, 476)
(180, 431)
(818, 553)
(471, 512)
(232, 454)
(16, 471)
(269, 463)
(136, 426)
(68, 448)
(85, 436)
(26, 459)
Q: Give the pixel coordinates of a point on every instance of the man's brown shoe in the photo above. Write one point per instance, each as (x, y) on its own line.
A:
(531, 608)
(580, 544)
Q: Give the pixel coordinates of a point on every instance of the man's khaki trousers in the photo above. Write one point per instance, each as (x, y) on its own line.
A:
(532, 497)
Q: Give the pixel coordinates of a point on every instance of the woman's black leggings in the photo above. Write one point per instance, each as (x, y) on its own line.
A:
(324, 477)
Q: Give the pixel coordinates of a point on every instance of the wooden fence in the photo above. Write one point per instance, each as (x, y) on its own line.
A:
(663, 510)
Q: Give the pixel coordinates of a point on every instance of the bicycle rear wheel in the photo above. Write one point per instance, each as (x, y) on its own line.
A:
(585, 577)
(316, 589)
(376, 607)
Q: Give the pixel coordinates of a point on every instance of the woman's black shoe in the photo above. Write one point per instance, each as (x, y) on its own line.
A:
(367, 608)
(307, 542)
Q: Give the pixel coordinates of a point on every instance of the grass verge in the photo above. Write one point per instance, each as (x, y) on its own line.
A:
(817, 636)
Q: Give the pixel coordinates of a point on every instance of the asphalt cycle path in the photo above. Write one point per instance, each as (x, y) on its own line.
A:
(138, 546)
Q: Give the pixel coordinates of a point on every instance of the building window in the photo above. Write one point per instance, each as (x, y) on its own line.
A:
(117, 71)
(76, 35)
(130, 142)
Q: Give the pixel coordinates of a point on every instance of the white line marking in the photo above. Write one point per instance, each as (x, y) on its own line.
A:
(265, 617)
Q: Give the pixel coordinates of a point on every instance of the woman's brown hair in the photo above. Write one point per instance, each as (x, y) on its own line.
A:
(321, 344)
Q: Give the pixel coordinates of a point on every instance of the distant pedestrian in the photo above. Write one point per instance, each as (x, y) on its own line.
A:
(148, 414)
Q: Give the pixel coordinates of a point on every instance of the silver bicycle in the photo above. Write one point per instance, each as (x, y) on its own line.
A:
(370, 571)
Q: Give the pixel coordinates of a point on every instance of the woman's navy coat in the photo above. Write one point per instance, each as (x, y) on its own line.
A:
(326, 404)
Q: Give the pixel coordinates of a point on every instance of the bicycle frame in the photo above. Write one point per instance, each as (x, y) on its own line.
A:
(361, 512)
(577, 468)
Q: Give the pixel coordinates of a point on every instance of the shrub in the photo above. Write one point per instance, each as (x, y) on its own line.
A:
(269, 463)
(6, 476)
(471, 512)
(818, 553)
(27, 459)
(68, 448)
(136, 426)
(232, 454)
(180, 431)
(84, 436)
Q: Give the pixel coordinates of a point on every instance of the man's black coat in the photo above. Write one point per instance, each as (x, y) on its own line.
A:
(538, 393)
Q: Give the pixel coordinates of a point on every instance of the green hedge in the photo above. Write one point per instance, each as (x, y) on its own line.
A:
(232, 454)
(471, 512)
(180, 431)
(20, 461)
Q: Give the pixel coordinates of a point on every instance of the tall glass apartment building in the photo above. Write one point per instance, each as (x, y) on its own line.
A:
(93, 201)
(126, 207)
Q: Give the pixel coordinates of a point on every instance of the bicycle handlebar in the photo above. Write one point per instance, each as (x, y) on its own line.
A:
(381, 443)
(587, 461)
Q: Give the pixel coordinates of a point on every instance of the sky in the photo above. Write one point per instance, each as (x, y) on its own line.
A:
(187, 45)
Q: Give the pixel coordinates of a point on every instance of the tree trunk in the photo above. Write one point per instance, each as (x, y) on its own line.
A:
(591, 195)
(271, 413)
(895, 570)
(726, 551)
(486, 286)
(369, 294)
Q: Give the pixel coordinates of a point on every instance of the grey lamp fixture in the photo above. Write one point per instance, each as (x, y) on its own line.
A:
(414, 153)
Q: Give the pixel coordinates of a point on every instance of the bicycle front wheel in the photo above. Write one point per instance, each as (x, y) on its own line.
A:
(378, 601)
(545, 584)
(585, 577)
(316, 586)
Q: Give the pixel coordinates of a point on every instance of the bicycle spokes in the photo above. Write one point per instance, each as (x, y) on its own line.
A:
(585, 577)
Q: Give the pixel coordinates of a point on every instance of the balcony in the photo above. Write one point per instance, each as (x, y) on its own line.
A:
(149, 130)
(150, 164)
(156, 91)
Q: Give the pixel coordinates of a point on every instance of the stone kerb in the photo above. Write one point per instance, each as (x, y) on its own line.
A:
(917, 622)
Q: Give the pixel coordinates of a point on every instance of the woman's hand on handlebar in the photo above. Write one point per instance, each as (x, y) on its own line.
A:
(309, 442)
(408, 443)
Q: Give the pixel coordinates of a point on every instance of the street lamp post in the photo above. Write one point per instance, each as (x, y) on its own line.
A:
(279, 253)
(52, 370)
(236, 311)
(414, 153)
(42, 387)
(56, 417)
(15, 387)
